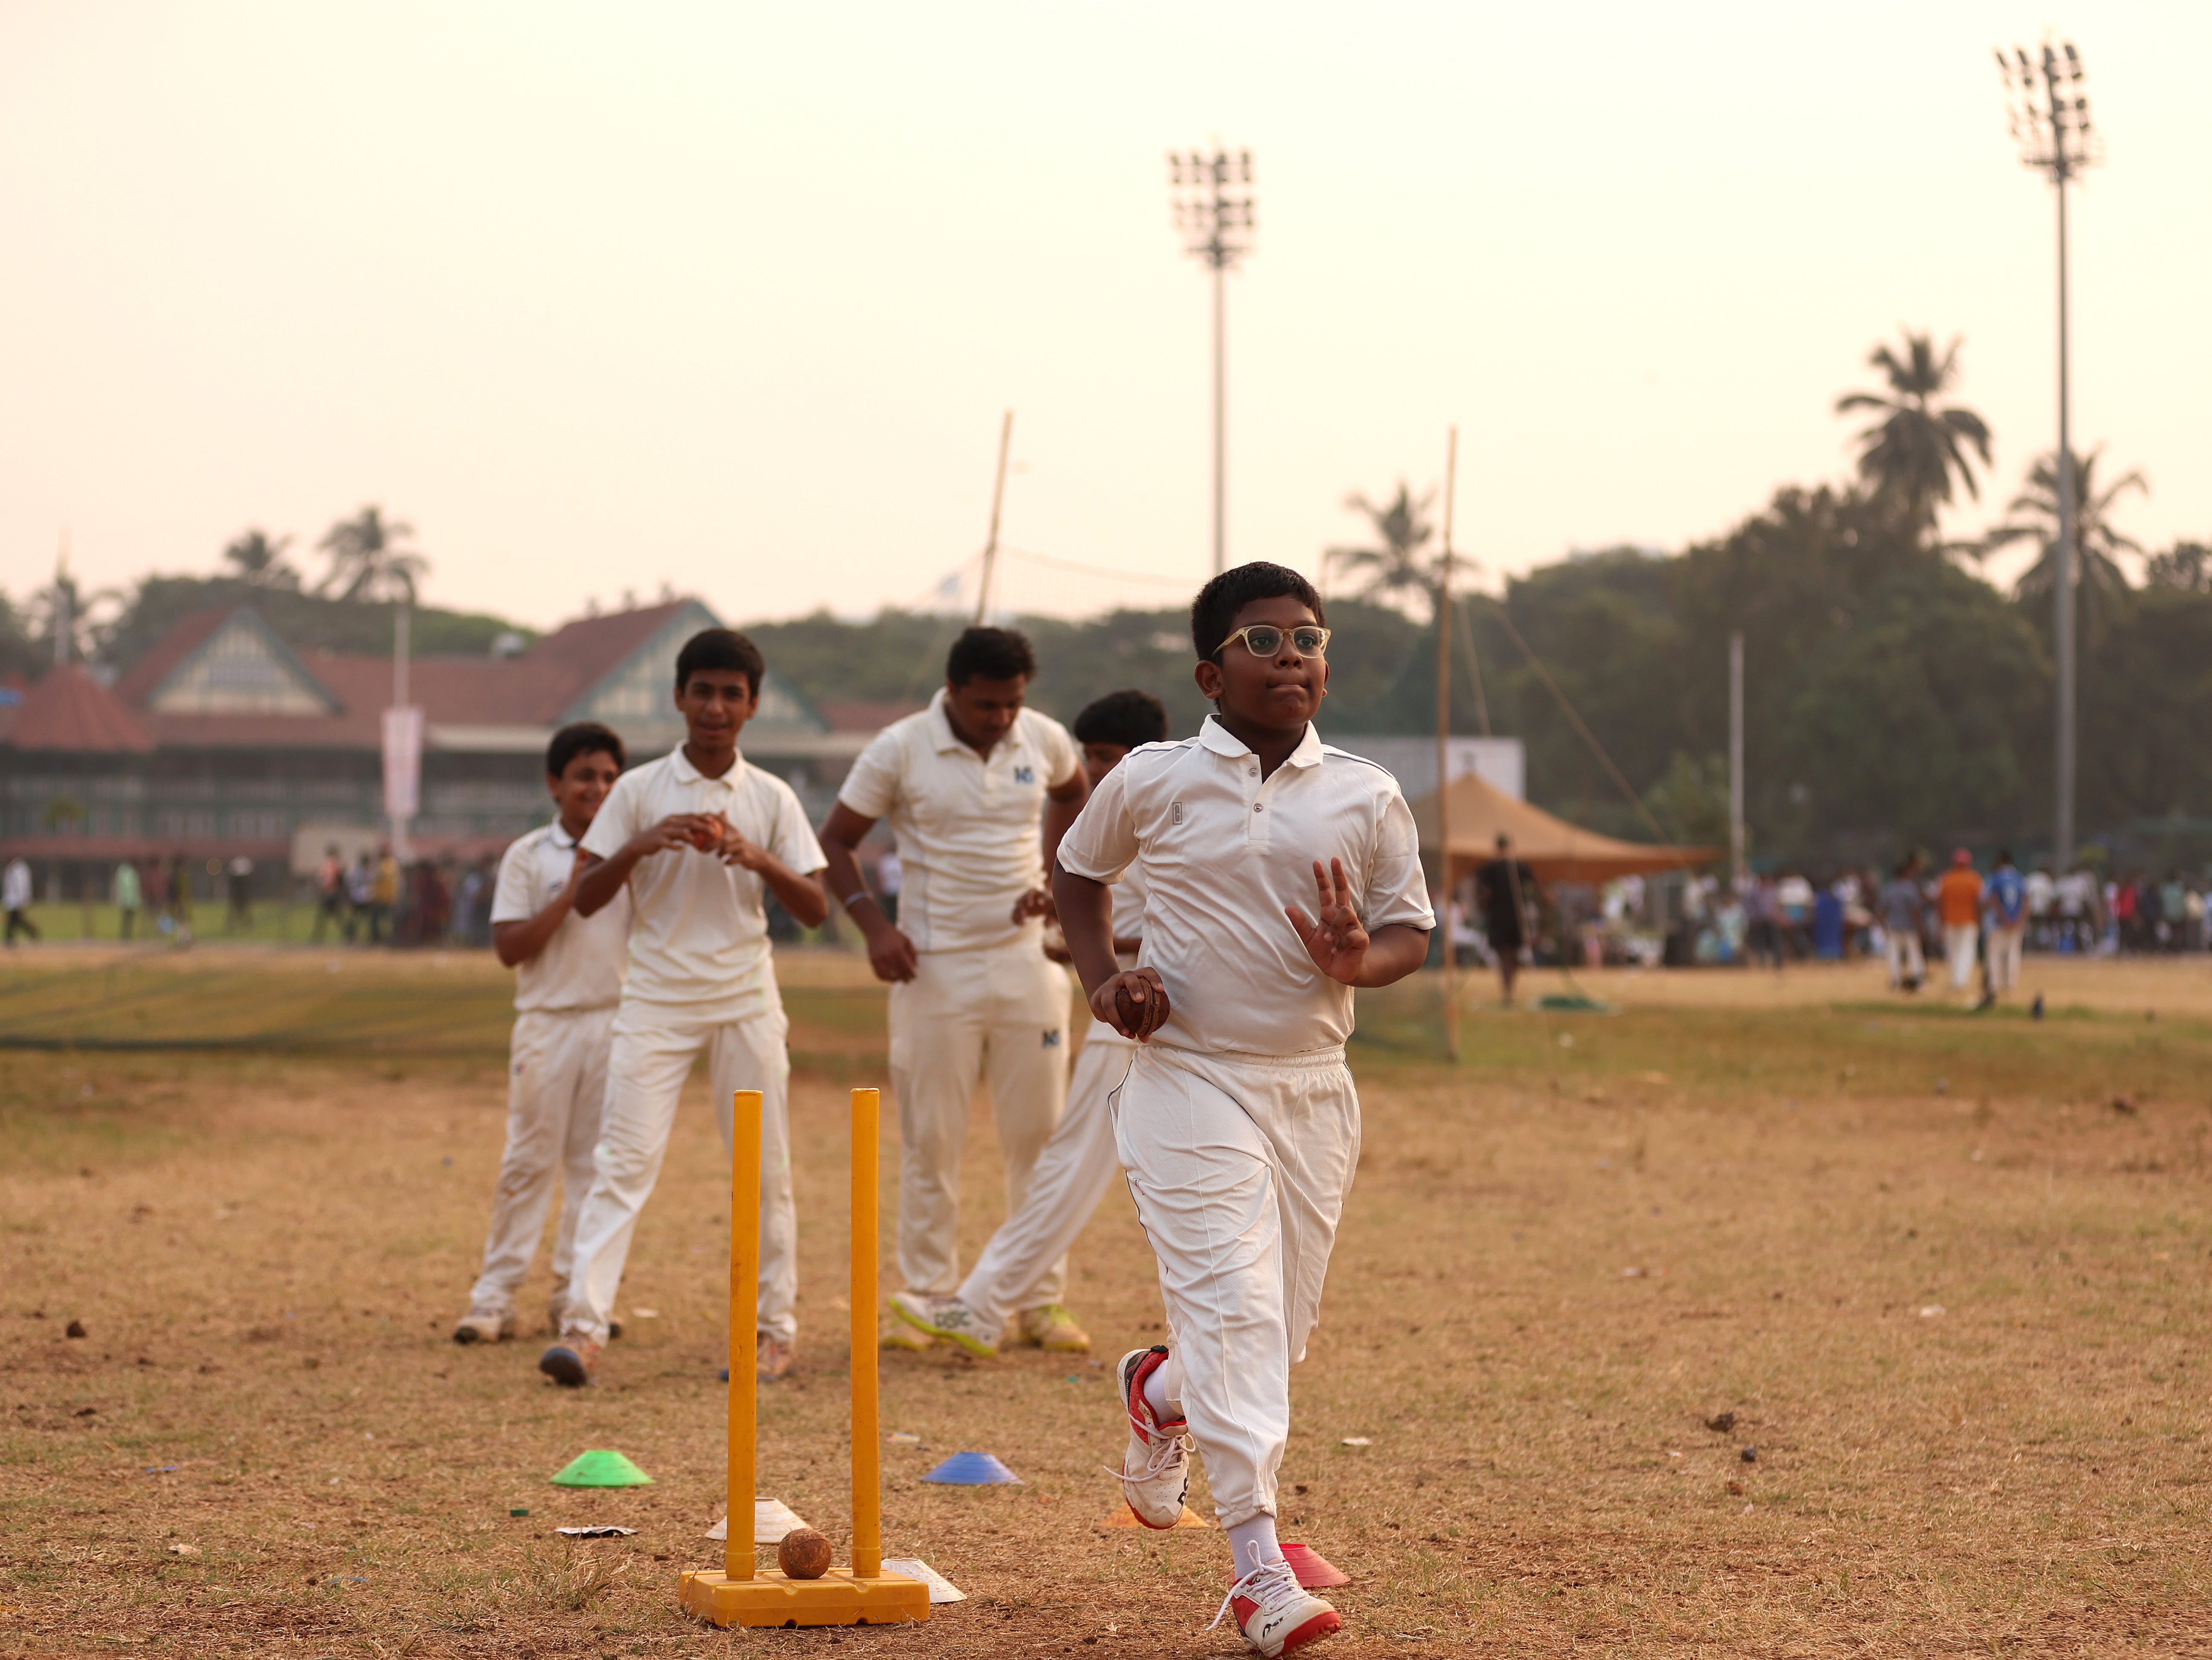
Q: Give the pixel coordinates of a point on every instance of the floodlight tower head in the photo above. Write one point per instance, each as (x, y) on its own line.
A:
(2049, 110)
(1215, 220)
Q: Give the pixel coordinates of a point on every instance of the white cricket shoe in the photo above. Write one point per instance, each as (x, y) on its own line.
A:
(947, 1318)
(1155, 1473)
(1275, 1613)
(484, 1326)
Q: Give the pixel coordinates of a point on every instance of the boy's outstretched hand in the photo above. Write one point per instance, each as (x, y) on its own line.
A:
(1338, 942)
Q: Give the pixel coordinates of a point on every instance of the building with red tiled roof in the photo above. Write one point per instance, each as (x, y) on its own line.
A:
(222, 741)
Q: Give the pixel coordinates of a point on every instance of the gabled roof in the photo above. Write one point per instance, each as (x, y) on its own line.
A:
(200, 661)
(69, 710)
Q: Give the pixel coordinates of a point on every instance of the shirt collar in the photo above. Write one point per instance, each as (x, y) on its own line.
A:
(1216, 738)
(562, 839)
(680, 768)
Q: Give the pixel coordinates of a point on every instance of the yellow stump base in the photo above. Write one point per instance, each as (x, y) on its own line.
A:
(836, 1599)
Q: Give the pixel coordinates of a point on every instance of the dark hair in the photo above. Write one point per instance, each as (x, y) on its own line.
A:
(1219, 600)
(981, 653)
(1128, 718)
(719, 648)
(583, 738)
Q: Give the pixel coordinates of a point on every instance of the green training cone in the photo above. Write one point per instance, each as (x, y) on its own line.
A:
(602, 1468)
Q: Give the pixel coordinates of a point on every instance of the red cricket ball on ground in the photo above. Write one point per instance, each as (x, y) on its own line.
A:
(803, 1553)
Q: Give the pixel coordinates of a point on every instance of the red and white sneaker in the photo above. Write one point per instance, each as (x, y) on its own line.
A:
(1275, 1613)
(1155, 1473)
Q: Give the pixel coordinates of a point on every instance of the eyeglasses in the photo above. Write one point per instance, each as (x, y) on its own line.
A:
(1264, 640)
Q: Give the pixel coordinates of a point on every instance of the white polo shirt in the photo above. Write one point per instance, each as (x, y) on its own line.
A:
(699, 939)
(969, 830)
(581, 966)
(1224, 852)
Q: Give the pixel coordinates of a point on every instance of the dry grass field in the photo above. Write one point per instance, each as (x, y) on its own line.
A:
(1947, 1274)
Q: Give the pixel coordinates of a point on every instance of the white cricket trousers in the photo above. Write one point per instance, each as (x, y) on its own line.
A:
(1069, 1178)
(1239, 1165)
(556, 1081)
(2004, 956)
(1905, 960)
(1005, 1008)
(652, 1053)
(1959, 943)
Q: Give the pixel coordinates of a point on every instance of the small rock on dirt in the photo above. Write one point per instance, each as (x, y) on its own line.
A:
(74, 1329)
(1749, 1455)
(1721, 1423)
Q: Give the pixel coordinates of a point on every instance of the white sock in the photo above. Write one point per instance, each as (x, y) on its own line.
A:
(1253, 1543)
(1164, 1388)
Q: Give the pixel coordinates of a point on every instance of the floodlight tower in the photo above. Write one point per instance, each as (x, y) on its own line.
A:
(1216, 222)
(2049, 116)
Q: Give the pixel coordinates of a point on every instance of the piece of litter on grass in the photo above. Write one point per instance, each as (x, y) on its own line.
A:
(1673, 1455)
(518, 1509)
(1931, 1311)
(645, 1314)
(334, 1481)
(941, 1590)
(841, 1305)
(595, 1533)
(1632, 1274)
(1357, 1441)
(1749, 1455)
(160, 1469)
(902, 1438)
(184, 1550)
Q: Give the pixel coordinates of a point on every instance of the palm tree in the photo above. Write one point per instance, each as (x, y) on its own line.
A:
(1913, 451)
(1396, 569)
(368, 560)
(2033, 515)
(261, 560)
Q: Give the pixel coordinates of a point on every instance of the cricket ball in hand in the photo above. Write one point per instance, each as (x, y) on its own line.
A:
(803, 1555)
(1133, 1013)
(708, 836)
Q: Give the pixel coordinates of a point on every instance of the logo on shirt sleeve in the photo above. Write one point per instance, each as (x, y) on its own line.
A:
(1052, 1038)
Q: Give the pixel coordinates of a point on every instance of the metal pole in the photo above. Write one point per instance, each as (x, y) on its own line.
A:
(1735, 755)
(745, 1318)
(1220, 418)
(867, 1482)
(2063, 588)
(400, 616)
(1444, 748)
(998, 501)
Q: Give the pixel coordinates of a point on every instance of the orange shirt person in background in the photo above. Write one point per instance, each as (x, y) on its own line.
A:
(1958, 902)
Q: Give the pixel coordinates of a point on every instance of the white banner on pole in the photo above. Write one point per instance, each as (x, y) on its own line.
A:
(403, 763)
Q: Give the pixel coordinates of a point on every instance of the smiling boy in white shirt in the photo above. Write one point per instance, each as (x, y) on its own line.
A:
(568, 981)
(697, 839)
(1238, 1124)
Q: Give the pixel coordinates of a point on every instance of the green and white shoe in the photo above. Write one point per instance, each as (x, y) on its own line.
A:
(947, 1318)
(1052, 1329)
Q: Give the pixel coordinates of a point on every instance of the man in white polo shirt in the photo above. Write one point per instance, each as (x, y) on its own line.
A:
(567, 980)
(978, 790)
(698, 838)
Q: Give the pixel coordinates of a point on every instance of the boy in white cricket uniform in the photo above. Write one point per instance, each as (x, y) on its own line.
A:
(698, 837)
(1072, 1174)
(567, 980)
(978, 790)
(1238, 1124)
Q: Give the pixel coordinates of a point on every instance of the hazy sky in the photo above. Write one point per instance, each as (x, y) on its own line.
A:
(733, 297)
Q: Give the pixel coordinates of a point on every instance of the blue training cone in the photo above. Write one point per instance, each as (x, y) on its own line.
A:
(972, 1469)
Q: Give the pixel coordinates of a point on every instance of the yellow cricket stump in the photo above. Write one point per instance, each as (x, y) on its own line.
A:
(863, 1594)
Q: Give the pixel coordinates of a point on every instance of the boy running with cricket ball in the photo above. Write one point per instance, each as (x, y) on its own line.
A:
(1238, 1125)
(1072, 1174)
(567, 980)
(697, 839)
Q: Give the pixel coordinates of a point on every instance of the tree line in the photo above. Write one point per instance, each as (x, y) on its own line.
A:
(1897, 698)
